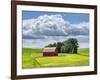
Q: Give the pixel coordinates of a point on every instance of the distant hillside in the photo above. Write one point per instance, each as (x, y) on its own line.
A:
(32, 50)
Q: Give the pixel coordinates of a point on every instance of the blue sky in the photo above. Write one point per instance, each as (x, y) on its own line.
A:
(42, 28)
(78, 17)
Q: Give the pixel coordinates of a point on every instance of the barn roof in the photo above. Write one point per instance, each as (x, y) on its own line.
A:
(49, 49)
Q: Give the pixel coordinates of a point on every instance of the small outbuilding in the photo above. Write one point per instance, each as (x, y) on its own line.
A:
(50, 51)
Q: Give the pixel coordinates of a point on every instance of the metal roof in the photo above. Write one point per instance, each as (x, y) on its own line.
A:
(49, 49)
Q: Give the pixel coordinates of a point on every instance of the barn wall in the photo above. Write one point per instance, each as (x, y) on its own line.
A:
(50, 54)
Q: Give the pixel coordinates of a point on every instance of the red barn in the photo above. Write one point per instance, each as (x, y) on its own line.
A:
(50, 51)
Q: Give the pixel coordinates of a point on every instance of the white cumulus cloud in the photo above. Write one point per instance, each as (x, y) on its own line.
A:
(46, 29)
(46, 25)
(52, 25)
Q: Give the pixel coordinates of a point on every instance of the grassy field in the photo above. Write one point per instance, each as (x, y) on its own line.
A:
(33, 58)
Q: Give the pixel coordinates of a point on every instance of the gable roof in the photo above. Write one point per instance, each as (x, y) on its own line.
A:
(49, 49)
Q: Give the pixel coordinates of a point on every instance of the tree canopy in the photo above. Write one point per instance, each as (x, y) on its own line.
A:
(68, 46)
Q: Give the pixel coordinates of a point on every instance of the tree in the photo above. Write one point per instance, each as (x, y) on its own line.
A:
(64, 49)
(58, 46)
(71, 45)
(68, 46)
(51, 45)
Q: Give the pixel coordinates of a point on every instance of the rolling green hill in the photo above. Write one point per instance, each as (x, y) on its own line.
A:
(33, 58)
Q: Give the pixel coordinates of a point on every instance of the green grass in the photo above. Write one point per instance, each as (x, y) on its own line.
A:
(63, 59)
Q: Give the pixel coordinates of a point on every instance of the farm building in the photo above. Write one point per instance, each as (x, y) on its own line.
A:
(50, 51)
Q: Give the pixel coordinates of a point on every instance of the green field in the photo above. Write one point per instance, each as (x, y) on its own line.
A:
(33, 58)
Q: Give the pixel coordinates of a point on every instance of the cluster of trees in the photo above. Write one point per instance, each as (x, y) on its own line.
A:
(68, 46)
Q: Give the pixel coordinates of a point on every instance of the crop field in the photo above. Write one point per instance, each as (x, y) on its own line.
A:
(33, 58)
